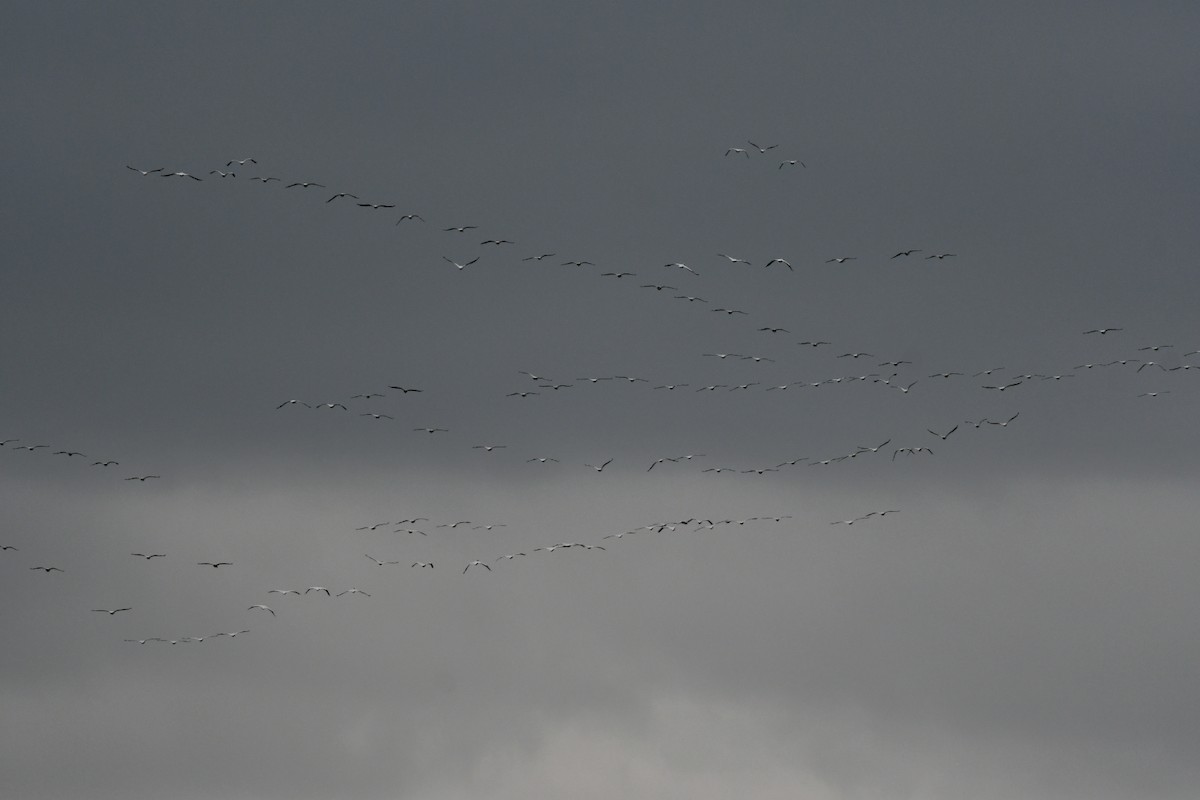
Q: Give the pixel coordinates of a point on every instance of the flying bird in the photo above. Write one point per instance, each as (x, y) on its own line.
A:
(601, 467)
(264, 608)
(461, 266)
(791, 163)
(476, 563)
(783, 261)
(304, 185)
(144, 172)
(214, 564)
(149, 556)
(905, 253)
(111, 612)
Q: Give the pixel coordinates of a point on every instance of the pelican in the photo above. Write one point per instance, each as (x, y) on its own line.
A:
(149, 556)
(243, 162)
(317, 589)
(476, 563)
(304, 185)
(376, 206)
(408, 217)
(343, 194)
(214, 564)
(741, 150)
(181, 175)
(680, 265)
(842, 259)
(264, 608)
(461, 266)
(783, 261)
(906, 253)
(538, 258)
(461, 228)
(422, 564)
(381, 563)
(48, 570)
(144, 172)
(353, 591)
(601, 467)
(733, 260)
(791, 163)
(111, 612)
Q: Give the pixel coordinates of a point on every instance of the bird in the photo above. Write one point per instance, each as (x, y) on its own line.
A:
(143, 641)
(476, 563)
(1155, 347)
(783, 261)
(111, 612)
(354, 591)
(461, 266)
(774, 330)
(733, 260)
(231, 635)
(690, 298)
(680, 265)
(264, 608)
(142, 478)
(1005, 423)
(265, 180)
(304, 185)
(292, 402)
(461, 228)
(761, 150)
(381, 563)
(1153, 394)
(857, 355)
(658, 461)
(601, 467)
(318, 589)
(405, 390)
(577, 264)
(522, 394)
(7, 547)
(105, 463)
(497, 241)
(542, 460)
(943, 436)
(283, 591)
(488, 447)
(377, 416)
(1102, 331)
(48, 570)
(332, 406)
(538, 258)
(423, 564)
(181, 175)
(343, 194)
(222, 173)
(791, 163)
(905, 253)
(940, 256)
(408, 217)
(214, 564)
(942, 374)
(376, 206)
(67, 453)
(144, 172)
(617, 274)
(241, 163)
(842, 259)
(741, 150)
(149, 556)
(814, 344)
(1004, 386)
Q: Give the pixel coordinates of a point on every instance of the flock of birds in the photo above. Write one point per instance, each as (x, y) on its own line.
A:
(880, 371)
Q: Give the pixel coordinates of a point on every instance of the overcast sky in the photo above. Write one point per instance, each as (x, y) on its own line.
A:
(1025, 624)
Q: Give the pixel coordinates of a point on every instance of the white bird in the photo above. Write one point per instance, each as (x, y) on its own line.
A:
(601, 467)
(783, 261)
(791, 163)
(476, 563)
(181, 175)
(733, 260)
(842, 259)
(680, 265)
(264, 608)
(353, 591)
(144, 172)
(461, 266)
(112, 612)
(317, 589)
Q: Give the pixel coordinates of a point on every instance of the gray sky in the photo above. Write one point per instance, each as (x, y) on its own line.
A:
(1024, 626)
